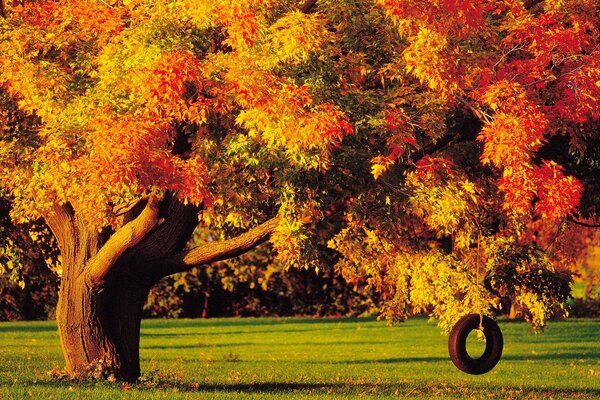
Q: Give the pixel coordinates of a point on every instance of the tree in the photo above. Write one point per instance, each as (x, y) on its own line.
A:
(256, 284)
(438, 133)
(28, 260)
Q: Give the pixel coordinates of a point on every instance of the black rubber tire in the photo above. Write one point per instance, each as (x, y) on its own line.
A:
(457, 345)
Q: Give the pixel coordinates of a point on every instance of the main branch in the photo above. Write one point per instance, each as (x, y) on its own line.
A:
(217, 251)
(123, 239)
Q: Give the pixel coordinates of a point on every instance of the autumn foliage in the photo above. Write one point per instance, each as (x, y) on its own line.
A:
(428, 149)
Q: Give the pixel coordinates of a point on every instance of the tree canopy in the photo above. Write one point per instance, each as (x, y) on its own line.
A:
(438, 147)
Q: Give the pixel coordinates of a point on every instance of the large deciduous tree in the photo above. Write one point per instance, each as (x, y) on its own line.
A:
(451, 139)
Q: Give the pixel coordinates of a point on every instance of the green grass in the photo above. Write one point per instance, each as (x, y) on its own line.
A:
(312, 359)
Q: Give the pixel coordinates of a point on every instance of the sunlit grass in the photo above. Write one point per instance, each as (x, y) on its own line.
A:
(311, 359)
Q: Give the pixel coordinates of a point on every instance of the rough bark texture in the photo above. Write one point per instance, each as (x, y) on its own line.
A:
(98, 321)
(99, 329)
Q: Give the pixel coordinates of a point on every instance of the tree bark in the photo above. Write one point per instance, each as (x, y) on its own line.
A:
(99, 313)
(99, 326)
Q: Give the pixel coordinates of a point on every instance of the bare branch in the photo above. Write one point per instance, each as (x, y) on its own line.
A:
(308, 6)
(581, 223)
(482, 115)
(217, 251)
(531, 3)
(123, 239)
(436, 146)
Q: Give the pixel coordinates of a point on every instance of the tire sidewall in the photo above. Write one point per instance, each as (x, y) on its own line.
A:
(457, 344)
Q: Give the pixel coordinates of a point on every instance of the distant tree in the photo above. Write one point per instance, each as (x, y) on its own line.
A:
(28, 262)
(257, 284)
(424, 141)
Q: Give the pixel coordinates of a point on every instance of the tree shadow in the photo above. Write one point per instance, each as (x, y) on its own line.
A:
(559, 339)
(398, 360)
(396, 389)
(588, 354)
(247, 344)
(311, 344)
(229, 333)
(242, 322)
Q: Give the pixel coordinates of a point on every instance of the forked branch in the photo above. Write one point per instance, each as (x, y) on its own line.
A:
(123, 239)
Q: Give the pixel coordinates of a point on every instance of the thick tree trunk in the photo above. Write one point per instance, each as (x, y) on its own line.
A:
(99, 327)
(107, 276)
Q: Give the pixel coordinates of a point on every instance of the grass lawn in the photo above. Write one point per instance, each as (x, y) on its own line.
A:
(297, 358)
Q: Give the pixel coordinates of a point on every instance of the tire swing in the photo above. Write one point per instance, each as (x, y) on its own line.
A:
(457, 344)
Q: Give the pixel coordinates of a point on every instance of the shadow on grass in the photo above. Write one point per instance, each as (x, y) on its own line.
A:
(346, 362)
(201, 344)
(381, 360)
(352, 387)
(315, 344)
(242, 322)
(586, 353)
(397, 389)
(558, 340)
(203, 329)
(239, 332)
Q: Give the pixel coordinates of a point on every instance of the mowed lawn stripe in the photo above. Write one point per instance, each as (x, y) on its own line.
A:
(298, 358)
